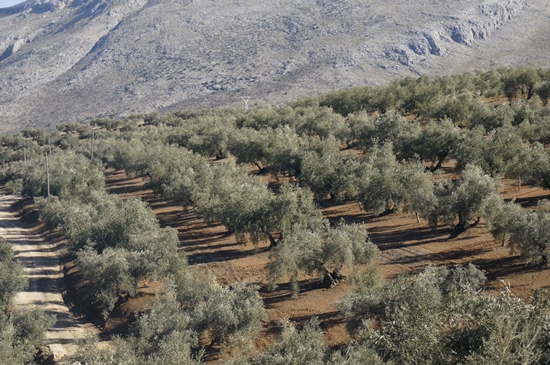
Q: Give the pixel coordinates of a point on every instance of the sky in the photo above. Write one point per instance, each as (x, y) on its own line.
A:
(8, 3)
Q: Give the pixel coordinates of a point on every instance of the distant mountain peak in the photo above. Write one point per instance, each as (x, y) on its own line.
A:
(74, 59)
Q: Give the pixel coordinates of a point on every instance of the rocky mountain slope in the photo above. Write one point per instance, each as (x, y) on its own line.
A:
(64, 60)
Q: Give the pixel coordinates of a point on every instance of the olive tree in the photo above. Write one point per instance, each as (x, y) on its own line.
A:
(495, 151)
(320, 251)
(385, 185)
(39, 135)
(117, 243)
(12, 279)
(525, 231)
(177, 174)
(438, 141)
(268, 149)
(70, 176)
(321, 121)
(116, 272)
(325, 172)
(245, 205)
(21, 334)
(307, 346)
(417, 189)
(160, 335)
(443, 316)
(389, 127)
(226, 315)
(464, 202)
(379, 188)
(521, 82)
(208, 135)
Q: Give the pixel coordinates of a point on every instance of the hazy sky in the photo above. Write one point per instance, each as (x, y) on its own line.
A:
(8, 3)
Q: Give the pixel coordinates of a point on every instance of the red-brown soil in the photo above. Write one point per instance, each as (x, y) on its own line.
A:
(405, 246)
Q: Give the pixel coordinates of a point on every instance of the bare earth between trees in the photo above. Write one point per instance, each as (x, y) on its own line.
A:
(406, 246)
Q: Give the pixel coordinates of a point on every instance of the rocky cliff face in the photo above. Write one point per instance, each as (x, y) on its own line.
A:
(66, 60)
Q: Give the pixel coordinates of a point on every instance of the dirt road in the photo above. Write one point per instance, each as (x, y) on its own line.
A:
(42, 265)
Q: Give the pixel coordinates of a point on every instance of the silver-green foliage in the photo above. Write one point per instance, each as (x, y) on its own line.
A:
(228, 315)
(246, 206)
(438, 141)
(320, 251)
(442, 316)
(525, 231)
(169, 332)
(71, 176)
(387, 185)
(389, 127)
(11, 275)
(20, 335)
(307, 347)
(274, 150)
(463, 202)
(117, 243)
(324, 171)
(160, 336)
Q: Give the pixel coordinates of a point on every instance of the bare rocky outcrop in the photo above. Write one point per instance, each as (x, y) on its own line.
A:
(64, 60)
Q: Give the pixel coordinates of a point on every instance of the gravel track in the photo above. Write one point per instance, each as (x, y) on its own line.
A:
(41, 262)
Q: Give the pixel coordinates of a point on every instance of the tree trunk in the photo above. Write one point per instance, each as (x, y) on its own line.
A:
(331, 278)
(417, 217)
(272, 242)
(440, 162)
(294, 286)
(261, 170)
(544, 260)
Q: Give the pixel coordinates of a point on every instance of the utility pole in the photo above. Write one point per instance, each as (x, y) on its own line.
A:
(92, 147)
(49, 144)
(48, 174)
(246, 103)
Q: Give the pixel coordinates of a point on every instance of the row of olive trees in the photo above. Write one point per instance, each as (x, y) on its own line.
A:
(246, 206)
(70, 176)
(377, 179)
(443, 316)
(123, 246)
(440, 96)
(118, 243)
(500, 151)
(440, 316)
(273, 142)
(502, 144)
(193, 312)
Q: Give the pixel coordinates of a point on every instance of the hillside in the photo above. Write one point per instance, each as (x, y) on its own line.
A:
(65, 60)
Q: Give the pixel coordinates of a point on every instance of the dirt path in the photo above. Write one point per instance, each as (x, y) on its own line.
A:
(41, 262)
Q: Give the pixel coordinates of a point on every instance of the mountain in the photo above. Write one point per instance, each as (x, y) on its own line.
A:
(65, 60)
